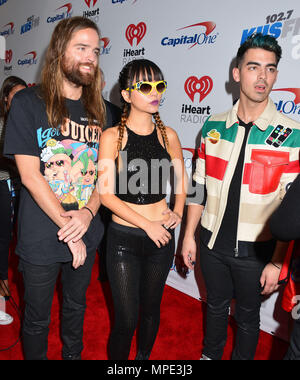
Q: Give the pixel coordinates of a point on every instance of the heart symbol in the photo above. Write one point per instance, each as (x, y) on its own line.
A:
(88, 2)
(202, 86)
(8, 56)
(138, 32)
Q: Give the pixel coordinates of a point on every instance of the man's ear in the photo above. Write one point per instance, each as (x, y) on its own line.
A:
(125, 96)
(236, 74)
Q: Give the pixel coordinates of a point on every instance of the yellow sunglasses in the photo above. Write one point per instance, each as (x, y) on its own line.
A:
(146, 88)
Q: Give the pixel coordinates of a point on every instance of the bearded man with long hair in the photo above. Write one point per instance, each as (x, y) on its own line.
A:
(59, 227)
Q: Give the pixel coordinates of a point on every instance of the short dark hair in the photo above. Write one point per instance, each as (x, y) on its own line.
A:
(259, 41)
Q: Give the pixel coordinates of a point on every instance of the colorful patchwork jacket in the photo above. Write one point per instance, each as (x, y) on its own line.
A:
(271, 164)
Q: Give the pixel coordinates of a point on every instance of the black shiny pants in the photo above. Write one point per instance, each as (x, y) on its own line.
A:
(137, 271)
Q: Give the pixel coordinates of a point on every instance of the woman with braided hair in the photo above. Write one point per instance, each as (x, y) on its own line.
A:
(135, 158)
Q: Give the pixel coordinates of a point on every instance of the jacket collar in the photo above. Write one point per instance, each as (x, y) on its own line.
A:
(262, 122)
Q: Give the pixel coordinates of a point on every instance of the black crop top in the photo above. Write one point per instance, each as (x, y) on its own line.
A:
(144, 169)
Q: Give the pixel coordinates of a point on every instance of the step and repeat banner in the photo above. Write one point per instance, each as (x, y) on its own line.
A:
(194, 42)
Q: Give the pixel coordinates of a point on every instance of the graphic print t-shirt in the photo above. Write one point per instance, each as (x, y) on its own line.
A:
(68, 161)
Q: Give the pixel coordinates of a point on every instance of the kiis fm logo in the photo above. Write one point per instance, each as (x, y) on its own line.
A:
(29, 60)
(67, 12)
(7, 29)
(200, 88)
(278, 25)
(31, 23)
(288, 107)
(134, 34)
(200, 39)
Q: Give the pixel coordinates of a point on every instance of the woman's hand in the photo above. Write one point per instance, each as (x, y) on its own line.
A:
(174, 219)
(158, 233)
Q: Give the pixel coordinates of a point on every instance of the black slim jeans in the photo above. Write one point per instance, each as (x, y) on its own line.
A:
(39, 283)
(137, 271)
(226, 278)
(7, 211)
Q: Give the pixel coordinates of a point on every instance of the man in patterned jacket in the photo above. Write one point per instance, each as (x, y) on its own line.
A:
(249, 157)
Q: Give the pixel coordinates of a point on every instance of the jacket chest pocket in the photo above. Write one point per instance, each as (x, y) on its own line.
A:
(266, 170)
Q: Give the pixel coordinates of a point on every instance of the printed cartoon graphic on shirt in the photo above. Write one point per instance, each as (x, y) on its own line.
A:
(71, 165)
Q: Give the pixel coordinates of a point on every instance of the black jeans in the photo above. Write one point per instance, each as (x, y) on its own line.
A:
(226, 278)
(39, 282)
(137, 271)
(8, 208)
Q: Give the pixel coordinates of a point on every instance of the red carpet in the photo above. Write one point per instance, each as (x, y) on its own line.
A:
(180, 336)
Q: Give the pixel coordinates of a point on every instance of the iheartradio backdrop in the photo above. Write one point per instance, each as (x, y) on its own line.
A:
(194, 42)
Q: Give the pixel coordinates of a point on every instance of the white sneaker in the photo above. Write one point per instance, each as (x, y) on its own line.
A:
(5, 319)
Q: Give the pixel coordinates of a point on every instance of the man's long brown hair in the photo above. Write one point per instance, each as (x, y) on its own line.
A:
(52, 76)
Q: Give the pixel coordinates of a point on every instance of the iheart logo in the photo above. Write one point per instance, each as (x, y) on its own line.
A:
(88, 2)
(295, 91)
(8, 56)
(138, 32)
(202, 86)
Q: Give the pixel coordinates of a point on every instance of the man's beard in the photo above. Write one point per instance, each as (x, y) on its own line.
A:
(73, 74)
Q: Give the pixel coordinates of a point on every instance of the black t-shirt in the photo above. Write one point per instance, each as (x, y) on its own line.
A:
(226, 239)
(68, 162)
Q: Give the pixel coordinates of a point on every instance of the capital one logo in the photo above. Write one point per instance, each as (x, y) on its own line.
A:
(7, 29)
(289, 107)
(58, 17)
(88, 2)
(137, 32)
(2, 47)
(202, 86)
(29, 60)
(68, 7)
